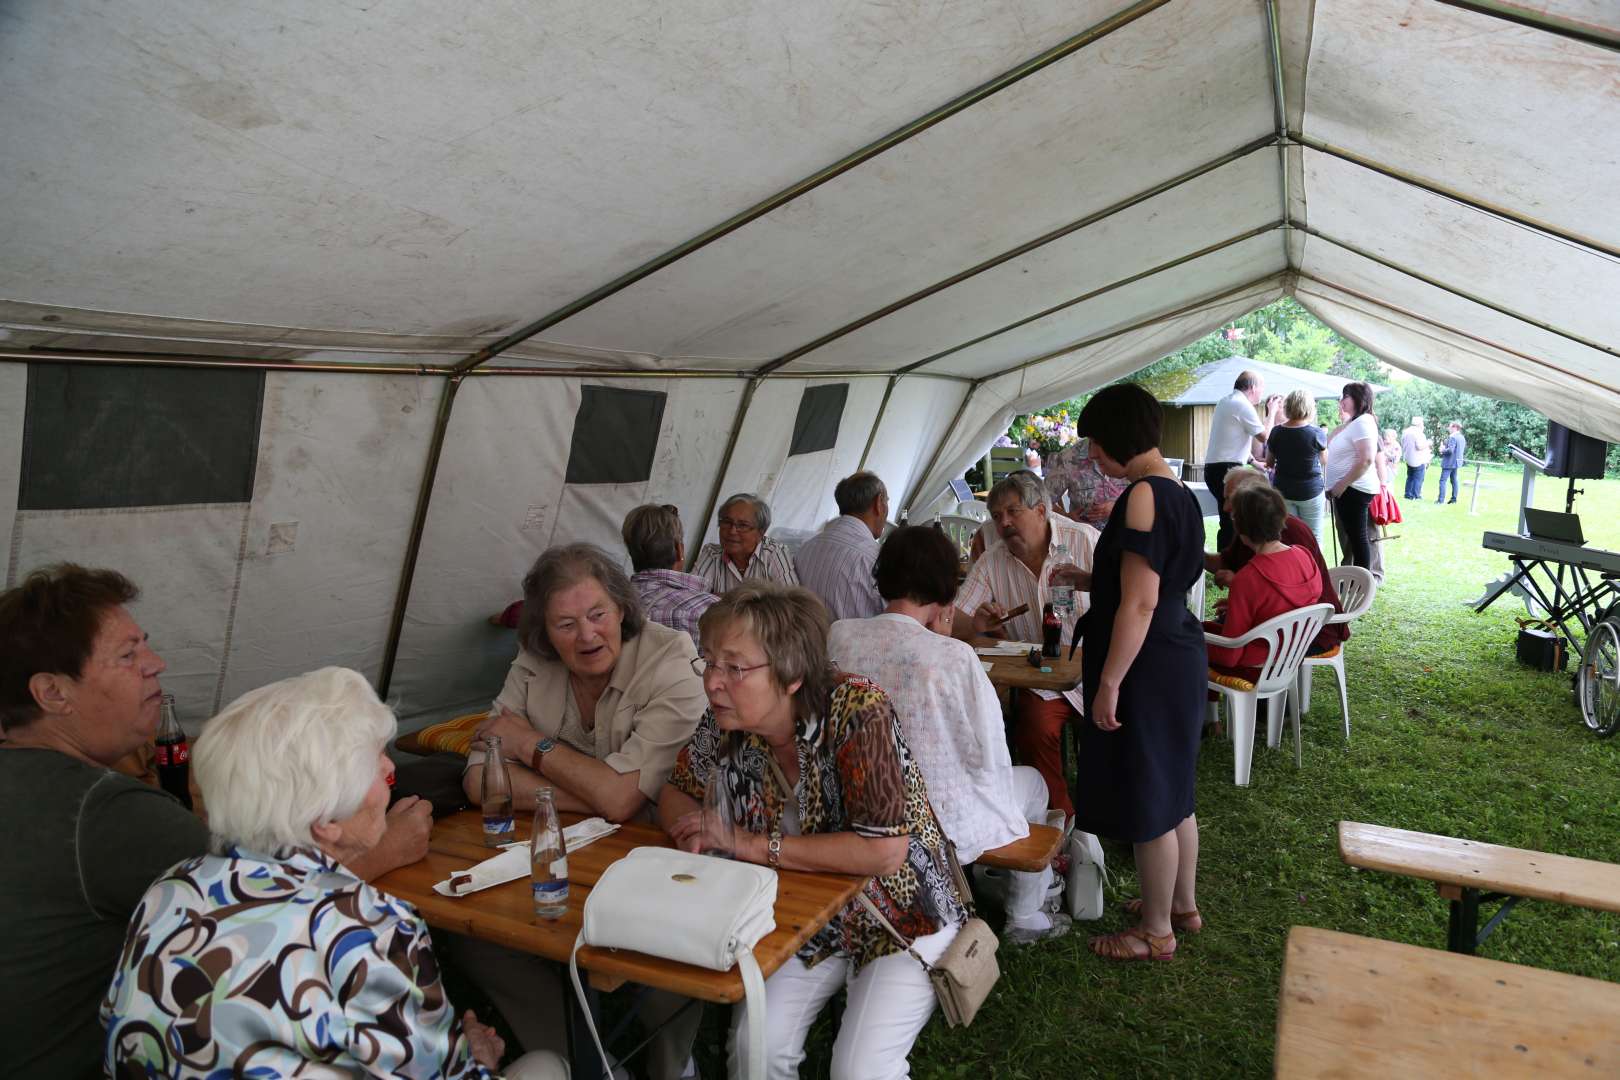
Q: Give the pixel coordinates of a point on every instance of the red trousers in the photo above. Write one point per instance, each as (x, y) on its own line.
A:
(1038, 743)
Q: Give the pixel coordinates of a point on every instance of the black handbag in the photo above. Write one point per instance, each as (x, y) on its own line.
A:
(1541, 646)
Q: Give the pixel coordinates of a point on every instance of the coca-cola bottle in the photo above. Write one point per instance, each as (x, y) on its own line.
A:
(173, 757)
(1051, 631)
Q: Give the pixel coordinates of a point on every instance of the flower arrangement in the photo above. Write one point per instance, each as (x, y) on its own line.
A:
(1048, 431)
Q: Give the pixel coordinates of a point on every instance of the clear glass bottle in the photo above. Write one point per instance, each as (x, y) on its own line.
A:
(496, 796)
(719, 828)
(548, 858)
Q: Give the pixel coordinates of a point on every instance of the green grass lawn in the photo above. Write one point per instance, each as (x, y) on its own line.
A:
(1448, 735)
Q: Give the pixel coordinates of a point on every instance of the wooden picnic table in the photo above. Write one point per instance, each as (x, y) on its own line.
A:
(1354, 1006)
(504, 914)
(1468, 873)
(1014, 672)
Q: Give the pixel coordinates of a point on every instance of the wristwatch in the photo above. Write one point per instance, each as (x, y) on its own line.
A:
(773, 850)
(541, 749)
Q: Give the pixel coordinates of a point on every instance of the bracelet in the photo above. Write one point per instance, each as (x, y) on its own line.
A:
(773, 851)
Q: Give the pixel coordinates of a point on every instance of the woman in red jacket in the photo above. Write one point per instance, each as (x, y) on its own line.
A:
(1277, 579)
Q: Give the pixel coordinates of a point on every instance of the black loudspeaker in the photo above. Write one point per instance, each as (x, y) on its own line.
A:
(1571, 454)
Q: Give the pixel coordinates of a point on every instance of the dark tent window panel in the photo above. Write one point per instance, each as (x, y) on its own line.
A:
(820, 410)
(615, 435)
(102, 437)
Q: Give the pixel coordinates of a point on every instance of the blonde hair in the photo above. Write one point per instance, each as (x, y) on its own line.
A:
(791, 627)
(288, 756)
(1299, 405)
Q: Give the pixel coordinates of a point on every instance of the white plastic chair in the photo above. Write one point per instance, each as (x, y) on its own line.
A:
(1288, 637)
(960, 530)
(1195, 597)
(1356, 587)
(973, 508)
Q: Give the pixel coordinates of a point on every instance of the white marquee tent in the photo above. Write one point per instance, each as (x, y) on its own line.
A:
(490, 274)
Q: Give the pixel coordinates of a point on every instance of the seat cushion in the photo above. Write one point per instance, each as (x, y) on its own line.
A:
(1328, 655)
(1231, 682)
(455, 736)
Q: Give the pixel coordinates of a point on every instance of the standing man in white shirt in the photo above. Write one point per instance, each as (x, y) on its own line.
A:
(1040, 550)
(836, 563)
(1237, 433)
(1416, 451)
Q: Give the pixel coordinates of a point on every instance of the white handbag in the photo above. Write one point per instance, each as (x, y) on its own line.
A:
(1083, 884)
(696, 909)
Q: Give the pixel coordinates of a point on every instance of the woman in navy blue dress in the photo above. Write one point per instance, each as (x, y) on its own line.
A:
(1144, 667)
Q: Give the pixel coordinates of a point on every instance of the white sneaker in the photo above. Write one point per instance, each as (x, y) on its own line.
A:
(1017, 935)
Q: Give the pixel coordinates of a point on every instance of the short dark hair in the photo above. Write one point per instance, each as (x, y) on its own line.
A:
(556, 569)
(49, 624)
(1258, 512)
(652, 536)
(1246, 380)
(1123, 419)
(1361, 397)
(917, 563)
(856, 493)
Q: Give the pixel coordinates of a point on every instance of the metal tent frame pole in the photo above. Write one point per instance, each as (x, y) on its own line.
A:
(1463, 294)
(986, 89)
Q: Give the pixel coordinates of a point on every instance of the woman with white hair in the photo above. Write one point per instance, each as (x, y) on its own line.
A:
(269, 955)
(744, 552)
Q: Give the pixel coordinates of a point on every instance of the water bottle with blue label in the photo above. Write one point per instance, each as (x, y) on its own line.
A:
(497, 796)
(548, 858)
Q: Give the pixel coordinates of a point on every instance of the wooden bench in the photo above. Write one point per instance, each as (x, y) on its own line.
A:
(1033, 853)
(1468, 873)
(1353, 1006)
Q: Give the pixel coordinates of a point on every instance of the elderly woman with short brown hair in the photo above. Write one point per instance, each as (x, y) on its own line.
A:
(597, 704)
(820, 778)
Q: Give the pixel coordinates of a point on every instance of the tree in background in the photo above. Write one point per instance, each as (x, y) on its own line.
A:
(1285, 333)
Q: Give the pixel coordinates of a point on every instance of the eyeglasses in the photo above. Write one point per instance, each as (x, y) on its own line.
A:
(737, 526)
(732, 673)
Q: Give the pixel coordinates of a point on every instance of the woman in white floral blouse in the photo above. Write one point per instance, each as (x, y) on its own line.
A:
(271, 958)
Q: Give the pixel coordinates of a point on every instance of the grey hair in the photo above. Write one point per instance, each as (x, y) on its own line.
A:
(761, 508)
(555, 570)
(856, 493)
(652, 536)
(288, 756)
(1023, 485)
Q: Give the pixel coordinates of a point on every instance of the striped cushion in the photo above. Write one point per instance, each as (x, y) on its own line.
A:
(455, 736)
(1231, 682)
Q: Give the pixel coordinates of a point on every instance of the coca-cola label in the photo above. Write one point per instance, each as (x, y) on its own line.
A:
(173, 754)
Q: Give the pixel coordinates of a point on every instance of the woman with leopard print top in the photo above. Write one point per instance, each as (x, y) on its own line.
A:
(819, 778)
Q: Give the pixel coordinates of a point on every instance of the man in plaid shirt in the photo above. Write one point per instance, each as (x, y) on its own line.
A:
(652, 535)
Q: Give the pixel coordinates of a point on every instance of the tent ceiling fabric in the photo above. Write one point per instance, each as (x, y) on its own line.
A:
(402, 185)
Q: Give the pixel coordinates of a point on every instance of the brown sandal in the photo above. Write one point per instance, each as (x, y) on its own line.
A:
(1121, 946)
(1183, 922)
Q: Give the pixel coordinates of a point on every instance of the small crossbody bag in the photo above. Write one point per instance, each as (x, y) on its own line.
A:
(964, 976)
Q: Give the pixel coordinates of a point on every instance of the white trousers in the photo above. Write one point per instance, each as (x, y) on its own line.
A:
(1026, 890)
(889, 1003)
(539, 1065)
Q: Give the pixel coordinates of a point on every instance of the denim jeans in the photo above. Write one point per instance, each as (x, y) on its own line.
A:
(1312, 512)
(1414, 480)
(1440, 496)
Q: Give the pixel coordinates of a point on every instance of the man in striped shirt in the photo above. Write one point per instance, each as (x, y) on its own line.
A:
(836, 563)
(652, 534)
(744, 552)
(1040, 550)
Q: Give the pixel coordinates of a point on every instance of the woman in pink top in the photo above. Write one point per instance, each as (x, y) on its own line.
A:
(1276, 580)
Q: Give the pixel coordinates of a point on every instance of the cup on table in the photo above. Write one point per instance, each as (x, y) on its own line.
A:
(719, 828)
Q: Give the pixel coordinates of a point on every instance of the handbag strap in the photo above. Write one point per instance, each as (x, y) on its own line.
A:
(753, 981)
(900, 939)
